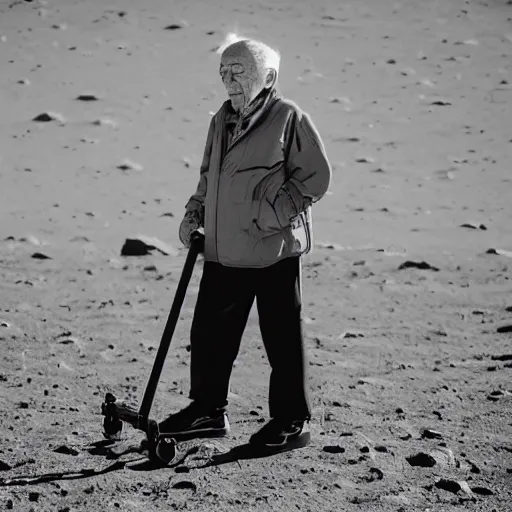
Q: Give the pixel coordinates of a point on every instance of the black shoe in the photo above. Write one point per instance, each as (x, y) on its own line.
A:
(279, 434)
(194, 422)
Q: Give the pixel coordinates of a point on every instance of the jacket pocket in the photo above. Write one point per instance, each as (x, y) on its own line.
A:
(264, 217)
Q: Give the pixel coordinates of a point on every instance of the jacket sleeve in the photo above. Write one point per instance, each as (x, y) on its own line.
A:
(308, 170)
(196, 201)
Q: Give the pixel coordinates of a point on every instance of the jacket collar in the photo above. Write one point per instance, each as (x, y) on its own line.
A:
(237, 126)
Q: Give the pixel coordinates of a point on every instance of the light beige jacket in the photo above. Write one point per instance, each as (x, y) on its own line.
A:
(256, 191)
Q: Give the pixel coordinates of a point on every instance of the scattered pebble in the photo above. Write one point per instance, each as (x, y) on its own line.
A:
(40, 256)
(333, 449)
(176, 26)
(33, 496)
(4, 466)
(128, 165)
(348, 334)
(494, 396)
(375, 474)
(422, 265)
(421, 459)
(105, 121)
(48, 117)
(470, 225)
(87, 97)
(448, 485)
(142, 246)
(482, 491)
(185, 484)
(66, 450)
(502, 357)
(431, 434)
(499, 252)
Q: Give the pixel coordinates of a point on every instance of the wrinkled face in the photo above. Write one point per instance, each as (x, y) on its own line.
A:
(242, 77)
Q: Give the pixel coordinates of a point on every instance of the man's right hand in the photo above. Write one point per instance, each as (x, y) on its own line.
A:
(190, 223)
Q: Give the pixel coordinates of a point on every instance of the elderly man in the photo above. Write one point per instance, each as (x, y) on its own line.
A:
(264, 165)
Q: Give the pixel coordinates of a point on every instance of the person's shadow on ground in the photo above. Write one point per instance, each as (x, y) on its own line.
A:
(104, 449)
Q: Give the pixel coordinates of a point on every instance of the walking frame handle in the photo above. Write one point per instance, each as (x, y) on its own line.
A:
(196, 247)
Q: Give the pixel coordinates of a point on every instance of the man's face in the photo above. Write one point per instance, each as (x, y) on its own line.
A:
(241, 76)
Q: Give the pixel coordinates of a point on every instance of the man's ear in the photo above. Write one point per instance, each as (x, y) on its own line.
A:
(271, 78)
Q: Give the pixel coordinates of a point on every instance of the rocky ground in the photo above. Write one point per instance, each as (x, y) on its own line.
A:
(407, 297)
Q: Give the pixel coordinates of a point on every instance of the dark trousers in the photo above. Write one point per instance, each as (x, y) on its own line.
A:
(225, 298)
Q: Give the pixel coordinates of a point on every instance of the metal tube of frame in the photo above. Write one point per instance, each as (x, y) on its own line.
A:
(149, 394)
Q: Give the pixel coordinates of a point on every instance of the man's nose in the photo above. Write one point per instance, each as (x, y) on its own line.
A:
(228, 78)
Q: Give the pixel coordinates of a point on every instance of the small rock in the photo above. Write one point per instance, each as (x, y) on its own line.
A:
(48, 117)
(365, 449)
(4, 466)
(504, 328)
(87, 97)
(381, 449)
(105, 122)
(4, 324)
(422, 265)
(347, 334)
(176, 26)
(364, 160)
(470, 225)
(66, 450)
(33, 496)
(399, 410)
(185, 484)
(448, 485)
(167, 214)
(375, 474)
(499, 252)
(40, 256)
(431, 434)
(421, 459)
(143, 245)
(482, 491)
(9, 504)
(474, 468)
(130, 165)
(502, 357)
(23, 405)
(182, 469)
(494, 396)
(333, 449)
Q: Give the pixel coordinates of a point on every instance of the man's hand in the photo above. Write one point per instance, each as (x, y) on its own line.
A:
(190, 223)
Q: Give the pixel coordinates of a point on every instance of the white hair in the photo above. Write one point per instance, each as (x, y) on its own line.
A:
(266, 56)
